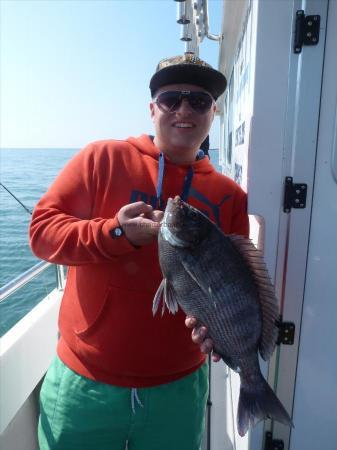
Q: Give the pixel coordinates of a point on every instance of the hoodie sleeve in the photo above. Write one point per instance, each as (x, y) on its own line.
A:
(240, 220)
(63, 229)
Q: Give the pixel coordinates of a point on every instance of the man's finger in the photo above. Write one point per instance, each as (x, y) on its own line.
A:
(190, 322)
(156, 215)
(207, 346)
(199, 334)
(133, 210)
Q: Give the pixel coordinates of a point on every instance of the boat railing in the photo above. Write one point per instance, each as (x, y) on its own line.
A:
(29, 275)
(28, 341)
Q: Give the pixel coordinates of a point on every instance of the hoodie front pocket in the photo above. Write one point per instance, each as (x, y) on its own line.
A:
(91, 321)
(123, 319)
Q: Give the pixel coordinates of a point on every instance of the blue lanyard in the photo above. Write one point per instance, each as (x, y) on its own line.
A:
(161, 166)
(187, 181)
(187, 184)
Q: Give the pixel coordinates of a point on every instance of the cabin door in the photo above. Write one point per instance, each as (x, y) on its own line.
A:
(315, 401)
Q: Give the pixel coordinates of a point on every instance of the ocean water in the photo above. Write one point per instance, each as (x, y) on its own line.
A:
(27, 173)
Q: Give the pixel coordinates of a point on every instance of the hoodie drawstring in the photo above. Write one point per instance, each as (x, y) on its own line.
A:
(134, 397)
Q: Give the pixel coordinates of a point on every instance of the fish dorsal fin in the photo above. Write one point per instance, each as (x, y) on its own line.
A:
(268, 301)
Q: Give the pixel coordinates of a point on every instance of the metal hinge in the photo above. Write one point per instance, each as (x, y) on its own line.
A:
(295, 195)
(306, 30)
(273, 444)
(286, 333)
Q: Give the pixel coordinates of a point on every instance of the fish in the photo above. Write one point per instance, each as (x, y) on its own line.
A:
(223, 282)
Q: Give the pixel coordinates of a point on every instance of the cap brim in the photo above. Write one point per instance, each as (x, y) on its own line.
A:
(212, 80)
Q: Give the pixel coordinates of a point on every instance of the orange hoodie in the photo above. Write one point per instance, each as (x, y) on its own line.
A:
(107, 329)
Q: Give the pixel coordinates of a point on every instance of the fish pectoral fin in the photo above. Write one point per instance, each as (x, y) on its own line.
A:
(191, 269)
(165, 295)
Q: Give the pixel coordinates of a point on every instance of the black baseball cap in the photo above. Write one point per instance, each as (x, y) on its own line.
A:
(189, 69)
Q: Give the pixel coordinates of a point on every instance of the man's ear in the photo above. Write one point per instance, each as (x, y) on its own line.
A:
(151, 110)
(214, 111)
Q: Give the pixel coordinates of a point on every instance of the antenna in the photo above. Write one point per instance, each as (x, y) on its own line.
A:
(192, 16)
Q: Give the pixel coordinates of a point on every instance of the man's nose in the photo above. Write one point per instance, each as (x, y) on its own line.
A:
(184, 107)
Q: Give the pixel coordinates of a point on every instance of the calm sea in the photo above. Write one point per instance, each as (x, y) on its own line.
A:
(27, 173)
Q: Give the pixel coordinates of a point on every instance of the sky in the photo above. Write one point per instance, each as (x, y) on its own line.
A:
(76, 71)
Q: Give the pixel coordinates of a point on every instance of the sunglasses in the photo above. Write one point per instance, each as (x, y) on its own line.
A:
(170, 101)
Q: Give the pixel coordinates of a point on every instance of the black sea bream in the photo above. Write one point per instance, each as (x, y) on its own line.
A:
(223, 282)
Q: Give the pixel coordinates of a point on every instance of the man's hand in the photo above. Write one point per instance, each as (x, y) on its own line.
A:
(140, 222)
(199, 334)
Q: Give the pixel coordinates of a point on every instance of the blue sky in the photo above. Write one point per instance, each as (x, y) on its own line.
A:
(74, 71)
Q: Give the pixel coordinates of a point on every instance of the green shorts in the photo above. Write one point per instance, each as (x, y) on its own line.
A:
(78, 413)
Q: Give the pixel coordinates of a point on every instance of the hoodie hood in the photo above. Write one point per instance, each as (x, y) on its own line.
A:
(145, 145)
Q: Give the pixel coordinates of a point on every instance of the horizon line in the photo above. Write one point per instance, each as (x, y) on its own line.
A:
(40, 148)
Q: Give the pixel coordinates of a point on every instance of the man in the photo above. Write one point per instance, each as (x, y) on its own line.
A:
(122, 378)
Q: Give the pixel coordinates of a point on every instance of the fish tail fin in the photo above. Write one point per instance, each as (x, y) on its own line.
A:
(259, 404)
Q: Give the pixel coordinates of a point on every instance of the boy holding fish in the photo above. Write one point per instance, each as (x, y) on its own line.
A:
(123, 378)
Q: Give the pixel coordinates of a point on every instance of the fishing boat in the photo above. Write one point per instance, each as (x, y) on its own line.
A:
(278, 139)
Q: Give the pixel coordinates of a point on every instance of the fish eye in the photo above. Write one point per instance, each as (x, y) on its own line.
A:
(193, 215)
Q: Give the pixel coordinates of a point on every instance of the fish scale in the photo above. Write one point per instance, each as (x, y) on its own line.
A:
(229, 335)
(233, 304)
(223, 282)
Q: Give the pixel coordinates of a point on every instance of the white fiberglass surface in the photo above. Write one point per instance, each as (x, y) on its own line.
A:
(315, 405)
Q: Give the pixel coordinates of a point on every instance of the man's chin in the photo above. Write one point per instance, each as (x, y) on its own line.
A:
(185, 144)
